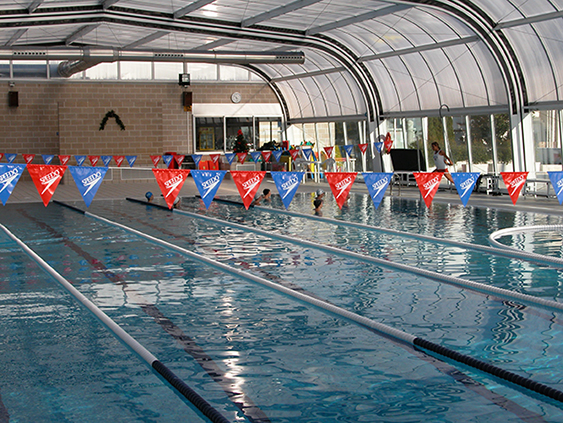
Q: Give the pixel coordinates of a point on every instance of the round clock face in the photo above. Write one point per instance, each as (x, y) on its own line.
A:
(236, 97)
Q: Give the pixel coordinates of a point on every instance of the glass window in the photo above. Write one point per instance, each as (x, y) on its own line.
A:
(458, 144)
(209, 133)
(29, 69)
(202, 71)
(166, 70)
(102, 71)
(233, 73)
(268, 133)
(547, 140)
(481, 144)
(135, 70)
(4, 68)
(503, 143)
(233, 126)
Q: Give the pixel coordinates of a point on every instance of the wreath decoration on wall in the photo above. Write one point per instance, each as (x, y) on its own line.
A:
(111, 114)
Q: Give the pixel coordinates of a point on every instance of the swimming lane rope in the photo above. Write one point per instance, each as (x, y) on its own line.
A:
(518, 230)
(363, 321)
(193, 397)
(389, 264)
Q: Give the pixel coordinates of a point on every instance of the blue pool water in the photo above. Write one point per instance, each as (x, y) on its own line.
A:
(253, 353)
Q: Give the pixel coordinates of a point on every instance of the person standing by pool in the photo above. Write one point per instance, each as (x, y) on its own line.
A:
(442, 161)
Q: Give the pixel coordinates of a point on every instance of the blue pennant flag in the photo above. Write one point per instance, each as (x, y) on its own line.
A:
(378, 146)
(9, 177)
(106, 160)
(277, 154)
(348, 149)
(256, 155)
(79, 160)
(11, 157)
(197, 159)
(377, 184)
(464, 183)
(307, 152)
(88, 180)
(131, 160)
(287, 184)
(207, 183)
(557, 182)
(167, 159)
(48, 158)
(230, 157)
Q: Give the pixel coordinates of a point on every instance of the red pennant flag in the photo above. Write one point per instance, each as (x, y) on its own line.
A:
(118, 160)
(215, 157)
(363, 148)
(388, 142)
(64, 159)
(1, 156)
(179, 159)
(514, 182)
(46, 179)
(428, 184)
(266, 155)
(93, 159)
(28, 158)
(340, 184)
(242, 158)
(155, 160)
(170, 182)
(328, 151)
(247, 184)
(294, 153)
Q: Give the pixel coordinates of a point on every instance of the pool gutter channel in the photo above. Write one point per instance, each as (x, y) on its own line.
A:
(188, 393)
(363, 321)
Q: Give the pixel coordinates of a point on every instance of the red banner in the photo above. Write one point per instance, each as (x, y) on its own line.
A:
(179, 159)
(388, 143)
(28, 158)
(247, 184)
(241, 157)
(514, 182)
(93, 159)
(64, 159)
(118, 160)
(428, 184)
(266, 155)
(155, 160)
(215, 157)
(328, 151)
(170, 182)
(46, 179)
(363, 148)
(1, 156)
(294, 153)
(340, 184)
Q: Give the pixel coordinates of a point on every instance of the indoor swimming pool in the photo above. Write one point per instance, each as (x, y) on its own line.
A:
(257, 354)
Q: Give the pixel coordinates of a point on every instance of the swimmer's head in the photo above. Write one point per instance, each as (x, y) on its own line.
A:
(148, 195)
(320, 192)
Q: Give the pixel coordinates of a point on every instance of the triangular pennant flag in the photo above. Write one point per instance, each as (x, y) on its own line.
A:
(247, 184)
(328, 151)
(307, 152)
(170, 182)
(155, 160)
(1, 156)
(464, 183)
(277, 154)
(46, 179)
(266, 156)
(167, 159)
(118, 160)
(287, 184)
(48, 158)
(88, 180)
(514, 182)
(340, 184)
(363, 148)
(230, 157)
(197, 159)
(557, 182)
(215, 158)
(106, 160)
(207, 183)
(9, 177)
(28, 158)
(131, 160)
(378, 146)
(388, 143)
(11, 157)
(179, 159)
(64, 159)
(428, 184)
(256, 155)
(377, 184)
(342, 150)
(348, 149)
(79, 160)
(294, 153)
(241, 157)
(94, 160)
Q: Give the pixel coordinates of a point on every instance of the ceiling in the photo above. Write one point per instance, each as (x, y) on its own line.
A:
(368, 58)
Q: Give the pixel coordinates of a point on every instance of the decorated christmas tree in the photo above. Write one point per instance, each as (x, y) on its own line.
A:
(240, 143)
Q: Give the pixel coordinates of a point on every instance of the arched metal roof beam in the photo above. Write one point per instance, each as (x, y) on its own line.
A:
(530, 20)
(191, 7)
(309, 74)
(17, 35)
(80, 33)
(214, 44)
(147, 39)
(282, 10)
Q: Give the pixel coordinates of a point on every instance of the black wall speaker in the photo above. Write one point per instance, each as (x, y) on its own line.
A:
(13, 99)
(404, 159)
(187, 101)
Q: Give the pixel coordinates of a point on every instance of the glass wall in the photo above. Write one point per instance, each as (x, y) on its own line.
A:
(546, 126)
(481, 144)
(209, 134)
(268, 133)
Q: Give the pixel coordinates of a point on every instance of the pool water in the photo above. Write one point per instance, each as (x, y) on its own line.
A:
(253, 353)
